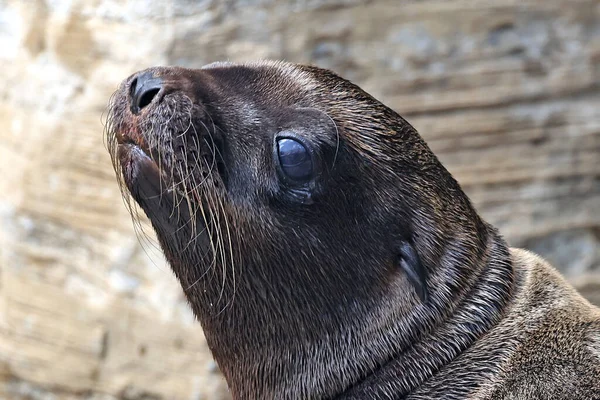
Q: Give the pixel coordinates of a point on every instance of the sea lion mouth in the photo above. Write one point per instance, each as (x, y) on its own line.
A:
(135, 156)
(138, 168)
(132, 149)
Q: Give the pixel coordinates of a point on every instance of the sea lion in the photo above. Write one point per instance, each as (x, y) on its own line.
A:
(328, 253)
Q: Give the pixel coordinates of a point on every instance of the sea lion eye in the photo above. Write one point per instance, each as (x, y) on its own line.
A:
(295, 159)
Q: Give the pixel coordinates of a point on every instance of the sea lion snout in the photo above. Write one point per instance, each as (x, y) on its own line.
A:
(161, 112)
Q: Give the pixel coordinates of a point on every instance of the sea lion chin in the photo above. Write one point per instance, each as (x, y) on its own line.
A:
(327, 252)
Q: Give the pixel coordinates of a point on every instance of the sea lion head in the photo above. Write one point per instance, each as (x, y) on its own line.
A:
(304, 219)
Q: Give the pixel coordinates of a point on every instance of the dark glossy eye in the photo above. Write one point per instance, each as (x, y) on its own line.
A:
(294, 159)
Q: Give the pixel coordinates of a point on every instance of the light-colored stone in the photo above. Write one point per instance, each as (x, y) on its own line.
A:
(506, 93)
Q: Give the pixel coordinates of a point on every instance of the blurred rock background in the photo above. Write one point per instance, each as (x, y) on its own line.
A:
(506, 92)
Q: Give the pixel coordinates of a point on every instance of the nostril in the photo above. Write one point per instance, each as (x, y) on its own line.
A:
(143, 90)
(132, 87)
(147, 97)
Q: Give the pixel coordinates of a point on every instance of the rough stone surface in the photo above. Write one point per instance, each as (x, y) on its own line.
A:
(506, 92)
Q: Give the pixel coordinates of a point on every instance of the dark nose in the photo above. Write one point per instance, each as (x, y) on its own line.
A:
(144, 88)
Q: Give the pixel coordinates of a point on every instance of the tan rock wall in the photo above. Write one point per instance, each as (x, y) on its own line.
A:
(507, 93)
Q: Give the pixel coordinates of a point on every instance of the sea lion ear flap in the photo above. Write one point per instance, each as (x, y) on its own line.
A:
(410, 263)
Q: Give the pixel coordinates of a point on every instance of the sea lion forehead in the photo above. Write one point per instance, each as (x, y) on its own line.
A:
(279, 79)
(292, 72)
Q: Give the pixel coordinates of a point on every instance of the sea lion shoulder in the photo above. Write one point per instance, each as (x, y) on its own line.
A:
(556, 333)
(545, 287)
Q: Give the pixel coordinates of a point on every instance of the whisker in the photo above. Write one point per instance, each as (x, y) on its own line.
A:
(188, 155)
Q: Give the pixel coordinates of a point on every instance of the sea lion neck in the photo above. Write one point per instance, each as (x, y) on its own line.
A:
(315, 235)
(476, 312)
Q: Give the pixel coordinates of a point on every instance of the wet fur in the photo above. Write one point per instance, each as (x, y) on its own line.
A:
(303, 294)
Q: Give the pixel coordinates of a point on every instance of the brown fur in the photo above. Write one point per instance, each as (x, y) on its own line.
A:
(376, 279)
(545, 347)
